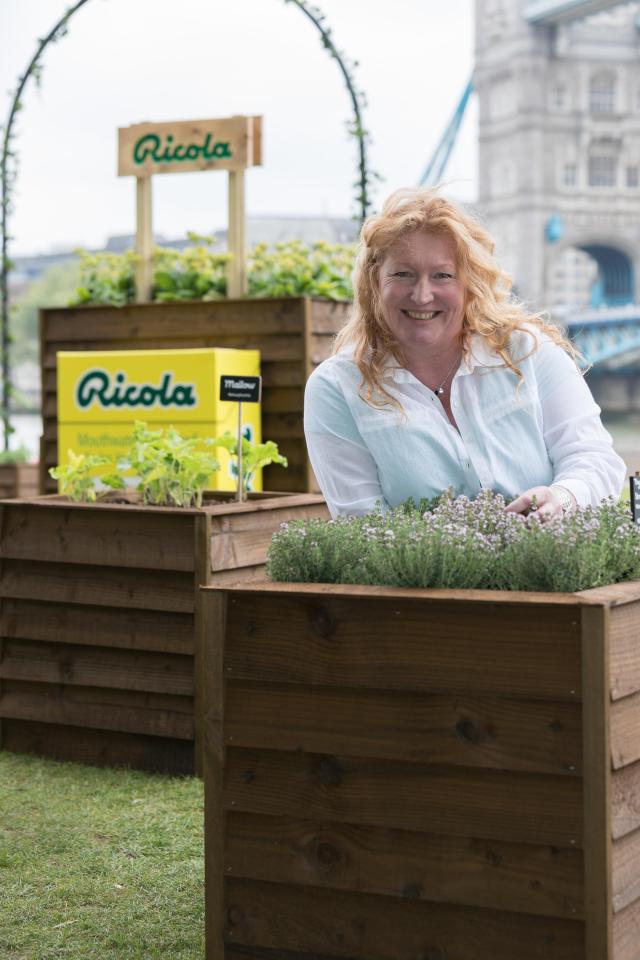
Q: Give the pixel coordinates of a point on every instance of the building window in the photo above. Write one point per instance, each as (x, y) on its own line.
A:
(633, 176)
(602, 93)
(570, 175)
(602, 171)
(558, 98)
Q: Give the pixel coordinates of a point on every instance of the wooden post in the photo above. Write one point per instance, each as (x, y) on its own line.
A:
(202, 578)
(144, 240)
(237, 273)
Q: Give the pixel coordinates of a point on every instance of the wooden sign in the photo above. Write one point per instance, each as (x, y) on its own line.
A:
(241, 389)
(230, 143)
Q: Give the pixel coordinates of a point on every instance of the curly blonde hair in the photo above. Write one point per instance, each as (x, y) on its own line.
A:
(490, 308)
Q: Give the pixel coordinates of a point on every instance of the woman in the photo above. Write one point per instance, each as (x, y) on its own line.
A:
(441, 379)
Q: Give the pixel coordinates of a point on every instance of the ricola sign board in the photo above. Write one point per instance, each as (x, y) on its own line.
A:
(101, 394)
(229, 143)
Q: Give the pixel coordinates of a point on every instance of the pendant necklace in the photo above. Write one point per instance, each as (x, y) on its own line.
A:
(440, 389)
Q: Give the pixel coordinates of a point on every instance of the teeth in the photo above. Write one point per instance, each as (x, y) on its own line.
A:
(421, 316)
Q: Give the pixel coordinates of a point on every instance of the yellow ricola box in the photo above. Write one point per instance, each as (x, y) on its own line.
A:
(101, 394)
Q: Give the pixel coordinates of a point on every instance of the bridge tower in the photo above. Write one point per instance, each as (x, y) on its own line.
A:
(559, 151)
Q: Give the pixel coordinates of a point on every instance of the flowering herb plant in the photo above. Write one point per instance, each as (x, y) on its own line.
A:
(461, 543)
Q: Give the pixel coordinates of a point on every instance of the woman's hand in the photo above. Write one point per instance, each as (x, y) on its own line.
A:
(543, 503)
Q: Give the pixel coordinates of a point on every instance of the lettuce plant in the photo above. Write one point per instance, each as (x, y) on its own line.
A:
(77, 479)
(461, 543)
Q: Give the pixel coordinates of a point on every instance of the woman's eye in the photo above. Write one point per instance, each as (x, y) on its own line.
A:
(444, 276)
(401, 273)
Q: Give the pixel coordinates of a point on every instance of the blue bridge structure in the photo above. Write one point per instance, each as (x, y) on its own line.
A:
(604, 335)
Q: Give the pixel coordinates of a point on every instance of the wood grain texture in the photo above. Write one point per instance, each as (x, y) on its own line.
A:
(625, 800)
(102, 748)
(135, 537)
(499, 733)
(367, 927)
(624, 643)
(125, 627)
(19, 479)
(242, 540)
(597, 783)
(488, 804)
(395, 641)
(98, 586)
(625, 872)
(127, 711)
(97, 667)
(625, 731)
(519, 877)
(626, 933)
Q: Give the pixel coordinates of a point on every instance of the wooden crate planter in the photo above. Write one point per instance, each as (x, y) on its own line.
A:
(98, 661)
(292, 334)
(400, 774)
(19, 480)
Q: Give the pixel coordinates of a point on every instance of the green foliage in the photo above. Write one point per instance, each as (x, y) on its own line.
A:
(19, 455)
(171, 471)
(460, 543)
(106, 278)
(291, 269)
(77, 478)
(99, 864)
(254, 456)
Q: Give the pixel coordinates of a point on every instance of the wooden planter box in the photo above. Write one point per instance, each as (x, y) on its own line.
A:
(19, 480)
(293, 334)
(98, 660)
(399, 774)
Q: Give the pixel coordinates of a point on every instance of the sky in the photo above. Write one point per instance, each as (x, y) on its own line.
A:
(128, 61)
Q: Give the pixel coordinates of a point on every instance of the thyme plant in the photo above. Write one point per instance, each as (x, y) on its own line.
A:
(462, 543)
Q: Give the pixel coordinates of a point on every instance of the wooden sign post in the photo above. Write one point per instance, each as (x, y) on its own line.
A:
(232, 144)
(240, 389)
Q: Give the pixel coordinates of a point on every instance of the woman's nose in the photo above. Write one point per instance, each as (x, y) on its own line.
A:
(422, 291)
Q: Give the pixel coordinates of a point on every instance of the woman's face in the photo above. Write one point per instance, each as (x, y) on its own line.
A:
(422, 297)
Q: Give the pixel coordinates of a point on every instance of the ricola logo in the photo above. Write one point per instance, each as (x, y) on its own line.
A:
(152, 146)
(97, 387)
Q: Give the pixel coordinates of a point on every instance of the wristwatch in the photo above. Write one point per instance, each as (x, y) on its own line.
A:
(566, 500)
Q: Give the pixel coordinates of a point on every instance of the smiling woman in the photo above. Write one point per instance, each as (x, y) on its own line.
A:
(441, 379)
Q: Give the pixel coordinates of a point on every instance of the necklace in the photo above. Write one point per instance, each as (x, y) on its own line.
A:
(440, 389)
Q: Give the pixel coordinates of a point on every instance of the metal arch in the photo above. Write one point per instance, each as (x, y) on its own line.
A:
(548, 12)
(436, 166)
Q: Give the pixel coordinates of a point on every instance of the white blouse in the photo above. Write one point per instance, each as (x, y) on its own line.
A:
(508, 439)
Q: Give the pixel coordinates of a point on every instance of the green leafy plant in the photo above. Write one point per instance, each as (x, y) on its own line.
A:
(77, 478)
(106, 278)
(196, 273)
(172, 472)
(292, 269)
(458, 542)
(19, 455)
(254, 457)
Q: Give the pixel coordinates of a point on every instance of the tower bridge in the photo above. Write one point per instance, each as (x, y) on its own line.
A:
(558, 86)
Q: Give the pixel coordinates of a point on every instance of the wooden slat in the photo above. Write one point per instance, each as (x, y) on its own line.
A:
(625, 731)
(328, 317)
(401, 642)
(128, 711)
(626, 933)
(625, 650)
(125, 627)
(326, 923)
(597, 783)
(625, 800)
(242, 540)
(487, 732)
(282, 425)
(97, 667)
(490, 804)
(101, 586)
(211, 646)
(520, 877)
(201, 548)
(126, 537)
(625, 870)
(103, 748)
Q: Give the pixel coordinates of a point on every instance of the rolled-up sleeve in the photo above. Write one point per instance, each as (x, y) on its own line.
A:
(579, 447)
(344, 468)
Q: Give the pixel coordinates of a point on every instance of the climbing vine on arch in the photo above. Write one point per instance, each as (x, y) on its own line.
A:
(8, 164)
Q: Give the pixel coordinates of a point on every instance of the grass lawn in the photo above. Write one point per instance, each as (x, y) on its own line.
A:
(104, 864)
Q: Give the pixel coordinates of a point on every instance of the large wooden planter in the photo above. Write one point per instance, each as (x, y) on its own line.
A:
(401, 774)
(292, 334)
(98, 660)
(19, 480)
